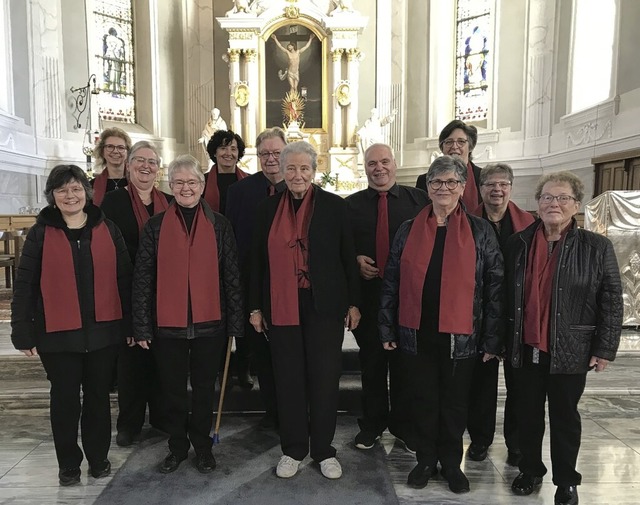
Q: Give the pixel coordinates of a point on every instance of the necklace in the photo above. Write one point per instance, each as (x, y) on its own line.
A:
(81, 225)
(115, 183)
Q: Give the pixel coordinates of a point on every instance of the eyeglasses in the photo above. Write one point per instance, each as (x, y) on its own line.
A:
(75, 191)
(111, 148)
(458, 142)
(264, 156)
(450, 184)
(149, 161)
(562, 199)
(192, 184)
(496, 185)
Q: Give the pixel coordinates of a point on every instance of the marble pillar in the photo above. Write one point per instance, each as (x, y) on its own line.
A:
(234, 78)
(353, 75)
(336, 57)
(253, 81)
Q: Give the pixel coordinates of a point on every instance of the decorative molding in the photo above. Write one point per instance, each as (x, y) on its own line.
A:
(588, 133)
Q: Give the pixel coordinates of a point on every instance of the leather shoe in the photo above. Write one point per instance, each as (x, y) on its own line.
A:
(458, 482)
(205, 463)
(171, 463)
(524, 484)
(566, 495)
(244, 380)
(124, 439)
(513, 458)
(419, 476)
(69, 476)
(477, 452)
(100, 470)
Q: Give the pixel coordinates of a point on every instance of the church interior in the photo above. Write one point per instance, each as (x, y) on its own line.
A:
(550, 85)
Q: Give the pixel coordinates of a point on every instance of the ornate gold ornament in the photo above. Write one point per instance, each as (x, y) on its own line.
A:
(293, 108)
(292, 11)
(343, 94)
(241, 94)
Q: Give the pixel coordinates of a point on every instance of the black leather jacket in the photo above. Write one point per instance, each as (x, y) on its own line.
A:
(145, 283)
(488, 325)
(586, 300)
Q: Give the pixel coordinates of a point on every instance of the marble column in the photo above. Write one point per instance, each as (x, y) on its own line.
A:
(336, 56)
(353, 64)
(234, 78)
(253, 82)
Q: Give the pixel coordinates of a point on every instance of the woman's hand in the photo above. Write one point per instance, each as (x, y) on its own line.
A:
(131, 342)
(353, 318)
(599, 363)
(487, 357)
(29, 352)
(257, 321)
(367, 266)
(389, 346)
(144, 344)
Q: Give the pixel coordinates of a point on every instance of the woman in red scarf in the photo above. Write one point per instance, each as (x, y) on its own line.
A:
(130, 208)
(187, 302)
(111, 154)
(565, 302)
(71, 306)
(441, 304)
(304, 291)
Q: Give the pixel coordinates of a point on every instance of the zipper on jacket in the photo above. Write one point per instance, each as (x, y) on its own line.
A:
(553, 336)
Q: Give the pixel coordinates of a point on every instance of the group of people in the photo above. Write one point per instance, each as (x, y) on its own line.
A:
(438, 284)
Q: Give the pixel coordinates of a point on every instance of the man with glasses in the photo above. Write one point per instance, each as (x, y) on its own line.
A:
(506, 218)
(243, 198)
(377, 212)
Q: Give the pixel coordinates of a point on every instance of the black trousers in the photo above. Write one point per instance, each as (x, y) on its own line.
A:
(535, 386)
(306, 366)
(483, 402)
(440, 388)
(386, 397)
(195, 359)
(68, 372)
(137, 386)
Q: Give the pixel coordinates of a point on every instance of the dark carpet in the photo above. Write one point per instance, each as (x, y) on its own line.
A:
(245, 474)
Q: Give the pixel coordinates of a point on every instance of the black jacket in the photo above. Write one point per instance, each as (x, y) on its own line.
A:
(27, 309)
(488, 298)
(586, 299)
(145, 283)
(333, 270)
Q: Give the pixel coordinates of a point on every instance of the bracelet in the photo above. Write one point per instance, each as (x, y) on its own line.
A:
(257, 311)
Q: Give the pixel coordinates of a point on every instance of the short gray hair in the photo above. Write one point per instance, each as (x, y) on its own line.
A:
(444, 164)
(271, 133)
(185, 161)
(300, 147)
(494, 169)
(143, 144)
(379, 144)
(573, 180)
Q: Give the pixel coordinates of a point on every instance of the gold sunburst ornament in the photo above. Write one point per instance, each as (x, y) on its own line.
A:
(293, 108)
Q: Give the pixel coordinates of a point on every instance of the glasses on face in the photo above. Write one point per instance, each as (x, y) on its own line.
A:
(149, 161)
(450, 184)
(265, 155)
(75, 191)
(110, 148)
(546, 199)
(191, 184)
(458, 142)
(497, 185)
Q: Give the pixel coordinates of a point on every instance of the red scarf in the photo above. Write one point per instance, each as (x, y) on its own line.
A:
(100, 186)
(520, 219)
(458, 272)
(538, 285)
(187, 270)
(58, 280)
(211, 191)
(288, 246)
(160, 204)
(470, 195)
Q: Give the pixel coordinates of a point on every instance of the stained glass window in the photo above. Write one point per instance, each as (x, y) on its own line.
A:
(113, 59)
(473, 58)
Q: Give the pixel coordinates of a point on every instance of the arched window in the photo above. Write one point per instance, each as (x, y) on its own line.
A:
(592, 61)
(474, 47)
(113, 59)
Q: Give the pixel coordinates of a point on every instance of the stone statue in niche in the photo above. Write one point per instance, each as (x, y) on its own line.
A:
(214, 124)
(372, 131)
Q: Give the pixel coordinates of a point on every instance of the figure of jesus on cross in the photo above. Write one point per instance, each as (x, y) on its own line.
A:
(292, 73)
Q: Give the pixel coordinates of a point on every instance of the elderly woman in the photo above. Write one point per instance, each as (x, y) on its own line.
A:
(304, 290)
(441, 304)
(459, 139)
(71, 306)
(130, 208)
(111, 152)
(187, 301)
(565, 302)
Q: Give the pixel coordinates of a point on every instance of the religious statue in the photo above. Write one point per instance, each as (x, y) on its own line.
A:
(240, 6)
(372, 130)
(342, 6)
(214, 124)
(292, 73)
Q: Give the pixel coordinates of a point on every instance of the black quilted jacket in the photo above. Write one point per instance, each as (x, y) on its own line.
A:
(488, 302)
(586, 299)
(145, 281)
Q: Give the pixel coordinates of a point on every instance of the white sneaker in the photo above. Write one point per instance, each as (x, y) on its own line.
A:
(287, 467)
(331, 468)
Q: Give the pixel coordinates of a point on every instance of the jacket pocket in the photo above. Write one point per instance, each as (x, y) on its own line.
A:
(581, 327)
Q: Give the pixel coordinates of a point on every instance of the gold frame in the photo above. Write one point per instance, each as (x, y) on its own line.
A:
(241, 95)
(343, 94)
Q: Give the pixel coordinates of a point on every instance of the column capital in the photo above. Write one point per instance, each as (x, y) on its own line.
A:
(250, 55)
(336, 54)
(353, 54)
(234, 55)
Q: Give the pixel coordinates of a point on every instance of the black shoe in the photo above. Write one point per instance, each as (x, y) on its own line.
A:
(513, 458)
(458, 482)
(566, 495)
(69, 476)
(245, 381)
(205, 463)
(124, 439)
(419, 476)
(171, 463)
(477, 452)
(268, 423)
(366, 440)
(100, 470)
(524, 484)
